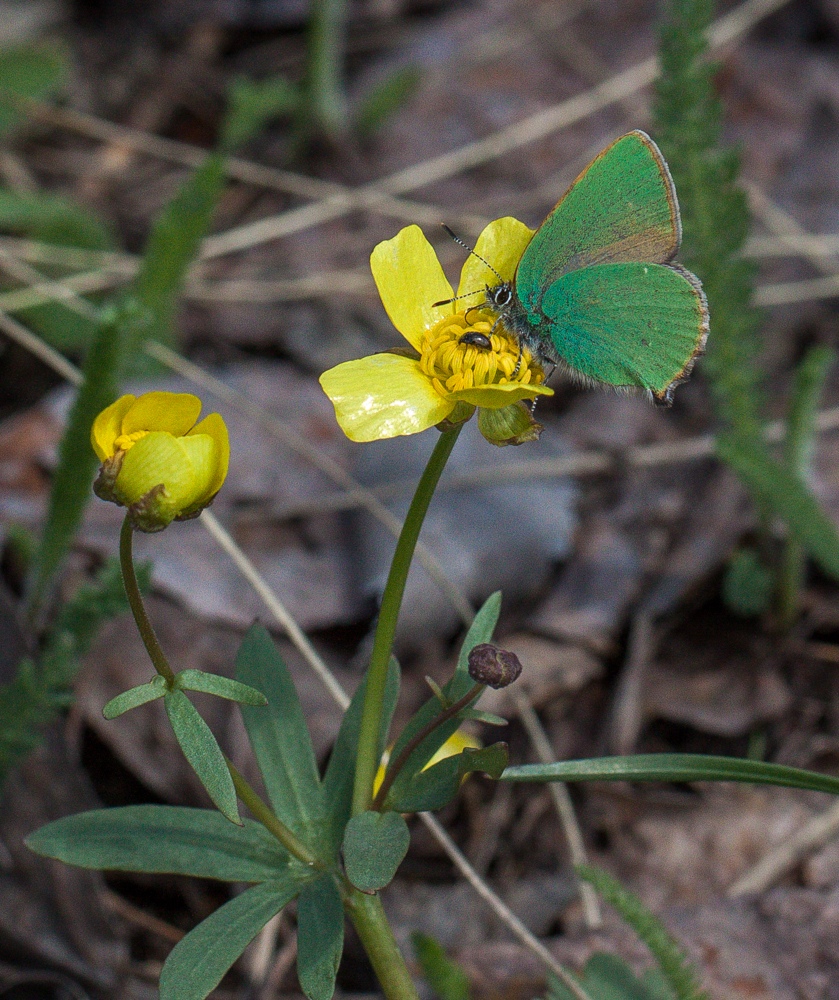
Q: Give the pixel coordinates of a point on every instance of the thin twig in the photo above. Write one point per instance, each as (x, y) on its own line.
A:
(817, 832)
(562, 802)
(499, 907)
(275, 606)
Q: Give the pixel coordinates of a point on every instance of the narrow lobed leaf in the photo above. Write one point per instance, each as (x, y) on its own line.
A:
(198, 962)
(203, 753)
(434, 788)
(320, 938)
(136, 696)
(221, 687)
(165, 839)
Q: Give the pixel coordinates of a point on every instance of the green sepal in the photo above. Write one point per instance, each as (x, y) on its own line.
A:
(221, 687)
(280, 737)
(435, 787)
(340, 772)
(513, 424)
(374, 847)
(320, 937)
(674, 767)
(203, 753)
(163, 839)
(198, 962)
(134, 697)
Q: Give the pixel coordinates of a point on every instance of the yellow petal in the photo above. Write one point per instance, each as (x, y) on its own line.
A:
(383, 396)
(158, 458)
(214, 426)
(459, 741)
(501, 244)
(409, 278)
(107, 427)
(175, 412)
(202, 451)
(494, 397)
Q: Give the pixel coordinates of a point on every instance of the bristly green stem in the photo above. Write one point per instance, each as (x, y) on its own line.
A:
(367, 762)
(401, 758)
(368, 918)
(274, 826)
(138, 609)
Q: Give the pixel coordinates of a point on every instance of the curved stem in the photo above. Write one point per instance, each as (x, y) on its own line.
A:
(401, 758)
(274, 826)
(367, 758)
(368, 917)
(138, 609)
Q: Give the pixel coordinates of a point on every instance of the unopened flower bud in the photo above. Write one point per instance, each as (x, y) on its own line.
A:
(493, 666)
(157, 460)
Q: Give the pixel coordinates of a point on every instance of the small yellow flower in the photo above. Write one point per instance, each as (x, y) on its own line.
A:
(156, 460)
(459, 741)
(460, 358)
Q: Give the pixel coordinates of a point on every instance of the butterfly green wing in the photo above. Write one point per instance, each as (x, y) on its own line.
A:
(627, 324)
(622, 207)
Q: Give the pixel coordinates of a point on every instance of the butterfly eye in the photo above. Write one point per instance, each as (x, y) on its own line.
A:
(476, 339)
(501, 295)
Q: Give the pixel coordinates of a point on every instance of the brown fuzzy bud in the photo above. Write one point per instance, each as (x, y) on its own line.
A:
(493, 666)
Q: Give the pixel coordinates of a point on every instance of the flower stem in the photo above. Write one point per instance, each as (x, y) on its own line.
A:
(367, 758)
(274, 826)
(138, 609)
(368, 917)
(401, 759)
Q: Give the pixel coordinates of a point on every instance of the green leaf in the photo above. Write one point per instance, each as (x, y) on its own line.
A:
(386, 98)
(279, 735)
(446, 978)
(221, 687)
(173, 245)
(320, 937)
(198, 962)
(203, 753)
(253, 104)
(374, 846)
(163, 839)
(606, 977)
(678, 978)
(33, 70)
(134, 697)
(72, 481)
(674, 767)
(432, 789)
(53, 218)
(340, 772)
(788, 497)
(481, 630)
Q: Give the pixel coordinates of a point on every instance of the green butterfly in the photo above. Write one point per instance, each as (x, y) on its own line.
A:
(596, 291)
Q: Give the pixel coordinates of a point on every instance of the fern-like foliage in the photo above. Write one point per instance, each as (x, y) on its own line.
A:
(42, 687)
(715, 216)
(675, 966)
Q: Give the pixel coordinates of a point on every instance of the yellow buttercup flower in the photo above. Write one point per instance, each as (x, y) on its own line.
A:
(459, 741)
(157, 460)
(460, 357)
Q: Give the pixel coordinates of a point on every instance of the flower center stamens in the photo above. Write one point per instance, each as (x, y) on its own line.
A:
(454, 361)
(127, 441)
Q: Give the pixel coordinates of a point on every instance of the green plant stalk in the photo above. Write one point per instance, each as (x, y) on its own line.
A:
(367, 762)
(138, 609)
(324, 77)
(274, 826)
(394, 768)
(368, 917)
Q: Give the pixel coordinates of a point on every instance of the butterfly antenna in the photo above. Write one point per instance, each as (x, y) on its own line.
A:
(466, 246)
